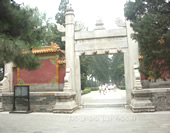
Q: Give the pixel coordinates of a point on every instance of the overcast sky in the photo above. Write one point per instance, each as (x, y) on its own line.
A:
(86, 11)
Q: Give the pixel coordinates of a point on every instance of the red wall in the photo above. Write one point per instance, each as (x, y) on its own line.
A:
(61, 74)
(43, 75)
(14, 76)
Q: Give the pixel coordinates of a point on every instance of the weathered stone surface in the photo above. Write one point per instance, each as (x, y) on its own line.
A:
(46, 87)
(155, 99)
(66, 103)
(158, 84)
(39, 102)
(141, 101)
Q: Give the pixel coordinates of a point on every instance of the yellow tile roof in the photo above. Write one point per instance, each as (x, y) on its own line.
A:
(48, 49)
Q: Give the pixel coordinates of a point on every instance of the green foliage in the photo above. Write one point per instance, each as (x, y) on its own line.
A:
(94, 89)
(21, 29)
(117, 69)
(60, 18)
(121, 87)
(150, 21)
(86, 90)
(103, 69)
(99, 68)
(84, 66)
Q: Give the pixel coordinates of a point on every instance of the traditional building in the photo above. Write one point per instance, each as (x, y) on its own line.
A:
(50, 75)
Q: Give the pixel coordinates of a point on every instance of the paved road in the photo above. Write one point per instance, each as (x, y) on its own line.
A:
(87, 120)
(115, 97)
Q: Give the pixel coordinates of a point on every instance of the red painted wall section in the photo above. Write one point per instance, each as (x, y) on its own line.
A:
(62, 72)
(45, 74)
(14, 77)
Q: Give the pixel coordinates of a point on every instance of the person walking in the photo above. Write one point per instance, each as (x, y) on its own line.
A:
(100, 89)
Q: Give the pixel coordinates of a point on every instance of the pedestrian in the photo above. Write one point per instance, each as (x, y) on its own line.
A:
(100, 89)
(103, 88)
(114, 86)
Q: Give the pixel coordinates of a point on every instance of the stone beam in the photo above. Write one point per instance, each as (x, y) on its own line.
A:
(121, 32)
(101, 44)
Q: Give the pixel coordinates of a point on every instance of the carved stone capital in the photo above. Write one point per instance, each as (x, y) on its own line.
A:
(60, 28)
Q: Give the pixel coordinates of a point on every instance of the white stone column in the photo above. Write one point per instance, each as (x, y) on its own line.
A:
(69, 50)
(127, 79)
(133, 53)
(78, 80)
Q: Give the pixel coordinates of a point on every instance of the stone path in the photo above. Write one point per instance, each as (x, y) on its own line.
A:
(90, 121)
(111, 98)
(87, 120)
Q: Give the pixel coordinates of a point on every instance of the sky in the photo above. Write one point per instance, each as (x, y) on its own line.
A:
(86, 11)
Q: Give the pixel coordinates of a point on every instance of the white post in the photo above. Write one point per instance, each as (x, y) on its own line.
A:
(69, 50)
(133, 53)
(78, 80)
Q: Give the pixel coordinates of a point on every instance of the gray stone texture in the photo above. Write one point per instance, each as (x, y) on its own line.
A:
(46, 87)
(39, 102)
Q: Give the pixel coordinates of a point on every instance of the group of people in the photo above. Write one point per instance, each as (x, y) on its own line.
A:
(104, 88)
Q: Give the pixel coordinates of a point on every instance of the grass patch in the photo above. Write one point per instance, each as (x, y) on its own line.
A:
(121, 87)
(95, 89)
(88, 90)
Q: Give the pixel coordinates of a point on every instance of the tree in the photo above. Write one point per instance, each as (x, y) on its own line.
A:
(84, 67)
(150, 22)
(99, 68)
(117, 69)
(60, 18)
(21, 29)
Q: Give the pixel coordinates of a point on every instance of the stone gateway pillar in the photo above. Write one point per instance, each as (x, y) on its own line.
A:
(66, 98)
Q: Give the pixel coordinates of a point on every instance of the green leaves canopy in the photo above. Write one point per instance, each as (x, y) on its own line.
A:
(21, 28)
(150, 22)
(103, 69)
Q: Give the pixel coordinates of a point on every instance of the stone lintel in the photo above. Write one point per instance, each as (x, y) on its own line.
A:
(100, 52)
(100, 34)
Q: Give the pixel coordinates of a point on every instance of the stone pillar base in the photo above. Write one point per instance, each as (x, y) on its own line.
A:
(141, 106)
(141, 101)
(65, 102)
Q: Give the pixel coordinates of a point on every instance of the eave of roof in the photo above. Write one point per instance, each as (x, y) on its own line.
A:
(53, 48)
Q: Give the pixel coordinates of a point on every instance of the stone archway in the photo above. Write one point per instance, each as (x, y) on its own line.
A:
(99, 41)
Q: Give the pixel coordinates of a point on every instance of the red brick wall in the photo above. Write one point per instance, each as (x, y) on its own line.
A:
(14, 76)
(61, 74)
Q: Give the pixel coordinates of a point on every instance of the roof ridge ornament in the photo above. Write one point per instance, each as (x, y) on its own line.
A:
(69, 8)
(79, 26)
(60, 27)
(120, 23)
(99, 24)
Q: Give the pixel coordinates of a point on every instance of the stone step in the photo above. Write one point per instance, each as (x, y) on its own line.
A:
(21, 112)
(103, 105)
